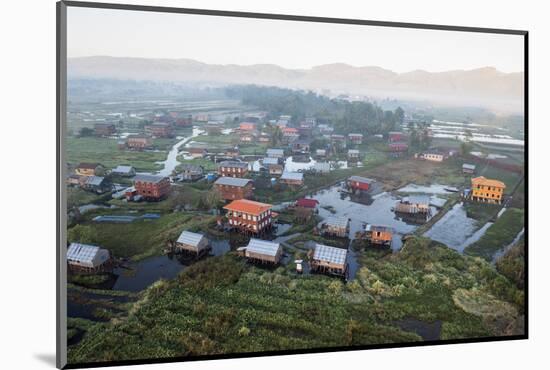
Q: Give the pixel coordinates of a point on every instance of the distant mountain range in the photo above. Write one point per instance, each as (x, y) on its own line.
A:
(486, 86)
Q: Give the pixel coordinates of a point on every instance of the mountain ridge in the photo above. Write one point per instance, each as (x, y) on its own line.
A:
(484, 86)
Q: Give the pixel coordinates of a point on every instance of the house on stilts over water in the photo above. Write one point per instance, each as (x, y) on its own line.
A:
(329, 260)
(85, 258)
(377, 235)
(334, 226)
(192, 243)
(262, 251)
(250, 217)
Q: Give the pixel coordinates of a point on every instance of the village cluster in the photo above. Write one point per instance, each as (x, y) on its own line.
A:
(234, 183)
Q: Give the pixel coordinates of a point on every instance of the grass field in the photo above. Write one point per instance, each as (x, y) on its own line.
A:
(500, 234)
(138, 239)
(223, 305)
(106, 152)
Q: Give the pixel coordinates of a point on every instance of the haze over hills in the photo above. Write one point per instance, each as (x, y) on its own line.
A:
(486, 87)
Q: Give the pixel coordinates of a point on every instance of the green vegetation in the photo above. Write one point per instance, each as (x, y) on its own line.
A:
(361, 117)
(482, 212)
(78, 197)
(223, 305)
(512, 264)
(138, 239)
(500, 234)
(106, 152)
(509, 178)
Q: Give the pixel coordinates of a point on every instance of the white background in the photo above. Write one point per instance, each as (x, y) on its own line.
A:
(27, 183)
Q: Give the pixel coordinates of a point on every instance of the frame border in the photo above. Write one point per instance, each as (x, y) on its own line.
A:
(61, 101)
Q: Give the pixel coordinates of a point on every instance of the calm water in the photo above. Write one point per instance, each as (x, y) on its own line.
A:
(376, 210)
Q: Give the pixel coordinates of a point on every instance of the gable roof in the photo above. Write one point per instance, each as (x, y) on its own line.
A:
(307, 203)
(233, 164)
(263, 247)
(149, 178)
(248, 206)
(232, 181)
(336, 221)
(297, 176)
(270, 160)
(330, 254)
(488, 182)
(361, 179)
(275, 151)
(189, 238)
(86, 254)
(95, 180)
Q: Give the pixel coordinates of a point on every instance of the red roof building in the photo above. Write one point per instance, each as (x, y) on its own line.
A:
(152, 187)
(249, 216)
(307, 203)
(359, 183)
(247, 126)
(396, 136)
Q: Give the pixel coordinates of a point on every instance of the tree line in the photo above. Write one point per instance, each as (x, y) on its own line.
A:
(345, 116)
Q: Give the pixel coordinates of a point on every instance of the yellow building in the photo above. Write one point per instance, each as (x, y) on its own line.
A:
(88, 169)
(487, 190)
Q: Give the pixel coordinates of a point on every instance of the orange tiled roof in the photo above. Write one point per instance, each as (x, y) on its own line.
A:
(248, 206)
(487, 182)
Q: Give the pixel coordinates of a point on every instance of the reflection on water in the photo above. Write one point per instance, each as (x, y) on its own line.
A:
(456, 230)
(427, 330)
(376, 210)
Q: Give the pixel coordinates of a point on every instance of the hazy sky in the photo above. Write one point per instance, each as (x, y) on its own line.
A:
(226, 40)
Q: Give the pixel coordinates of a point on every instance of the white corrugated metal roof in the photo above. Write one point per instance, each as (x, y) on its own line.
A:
(148, 178)
(330, 254)
(353, 151)
(232, 181)
(292, 176)
(82, 252)
(270, 160)
(275, 151)
(189, 238)
(336, 221)
(263, 247)
(123, 169)
(95, 180)
(469, 166)
(86, 255)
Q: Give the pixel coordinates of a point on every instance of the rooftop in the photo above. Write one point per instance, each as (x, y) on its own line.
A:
(82, 252)
(263, 247)
(330, 254)
(275, 151)
(377, 228)
(270, 160)
(488, 182)
(233, 164)
(298, 176)
(355, 135)
(469, 166)
(248, 206)
(336, 221)
(95, 180)
(149, 178)
(353, 151)
(307, 203)
(232, 181)
(361, 179)
(189, 238)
